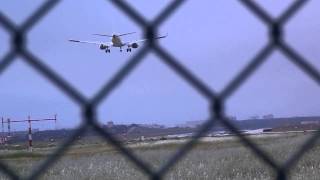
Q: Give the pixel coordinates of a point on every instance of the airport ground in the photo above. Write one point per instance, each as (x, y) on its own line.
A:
(212, 158)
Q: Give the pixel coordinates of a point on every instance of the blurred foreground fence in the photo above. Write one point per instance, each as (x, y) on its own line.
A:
(217, 100)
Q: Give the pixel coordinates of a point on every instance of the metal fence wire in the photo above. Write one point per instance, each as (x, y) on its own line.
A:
(18, 35)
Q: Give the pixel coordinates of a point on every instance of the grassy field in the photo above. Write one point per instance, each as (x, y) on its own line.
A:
(213, 158)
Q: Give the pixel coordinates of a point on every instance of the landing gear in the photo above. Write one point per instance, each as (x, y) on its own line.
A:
(129, 50)
(120, 49)
(107, 50)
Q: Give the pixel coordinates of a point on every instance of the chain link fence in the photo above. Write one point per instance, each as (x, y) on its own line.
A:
(217, 100)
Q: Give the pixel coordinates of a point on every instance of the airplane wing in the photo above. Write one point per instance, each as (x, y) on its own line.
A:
(91, 42)
(144, 40)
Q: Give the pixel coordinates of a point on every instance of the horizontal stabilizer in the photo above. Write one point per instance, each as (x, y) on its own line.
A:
(72, 40)
(126, 34)
(102, 35)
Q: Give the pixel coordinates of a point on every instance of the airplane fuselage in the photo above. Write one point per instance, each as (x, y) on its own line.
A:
(116, 41)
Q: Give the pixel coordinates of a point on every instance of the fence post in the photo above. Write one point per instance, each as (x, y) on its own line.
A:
(9, 128)
(2, 131)
(55, 121)
(30, 134)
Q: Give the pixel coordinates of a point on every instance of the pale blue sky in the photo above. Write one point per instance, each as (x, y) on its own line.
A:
(213, 39)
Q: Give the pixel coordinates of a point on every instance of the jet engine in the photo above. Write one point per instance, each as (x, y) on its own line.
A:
(103, 46)
(134, 45)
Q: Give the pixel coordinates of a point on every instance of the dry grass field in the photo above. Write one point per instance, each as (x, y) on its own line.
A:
(212, 158)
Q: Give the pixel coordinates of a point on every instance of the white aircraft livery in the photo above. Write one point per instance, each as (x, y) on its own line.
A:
(116, 42)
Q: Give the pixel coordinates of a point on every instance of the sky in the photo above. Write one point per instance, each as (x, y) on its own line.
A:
(212, 39)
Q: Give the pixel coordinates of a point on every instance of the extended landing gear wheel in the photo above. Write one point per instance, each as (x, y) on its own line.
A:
(107, 50)
(129, 50)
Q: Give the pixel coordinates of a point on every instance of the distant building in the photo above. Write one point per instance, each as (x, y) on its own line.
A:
(193, 124)
(110, 124)
(254, 117)
(32, 130)
(152, 126)
(181, 125)
(268, 116)
(309, 122)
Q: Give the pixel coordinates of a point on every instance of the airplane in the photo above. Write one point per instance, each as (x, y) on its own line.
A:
(116, 42)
